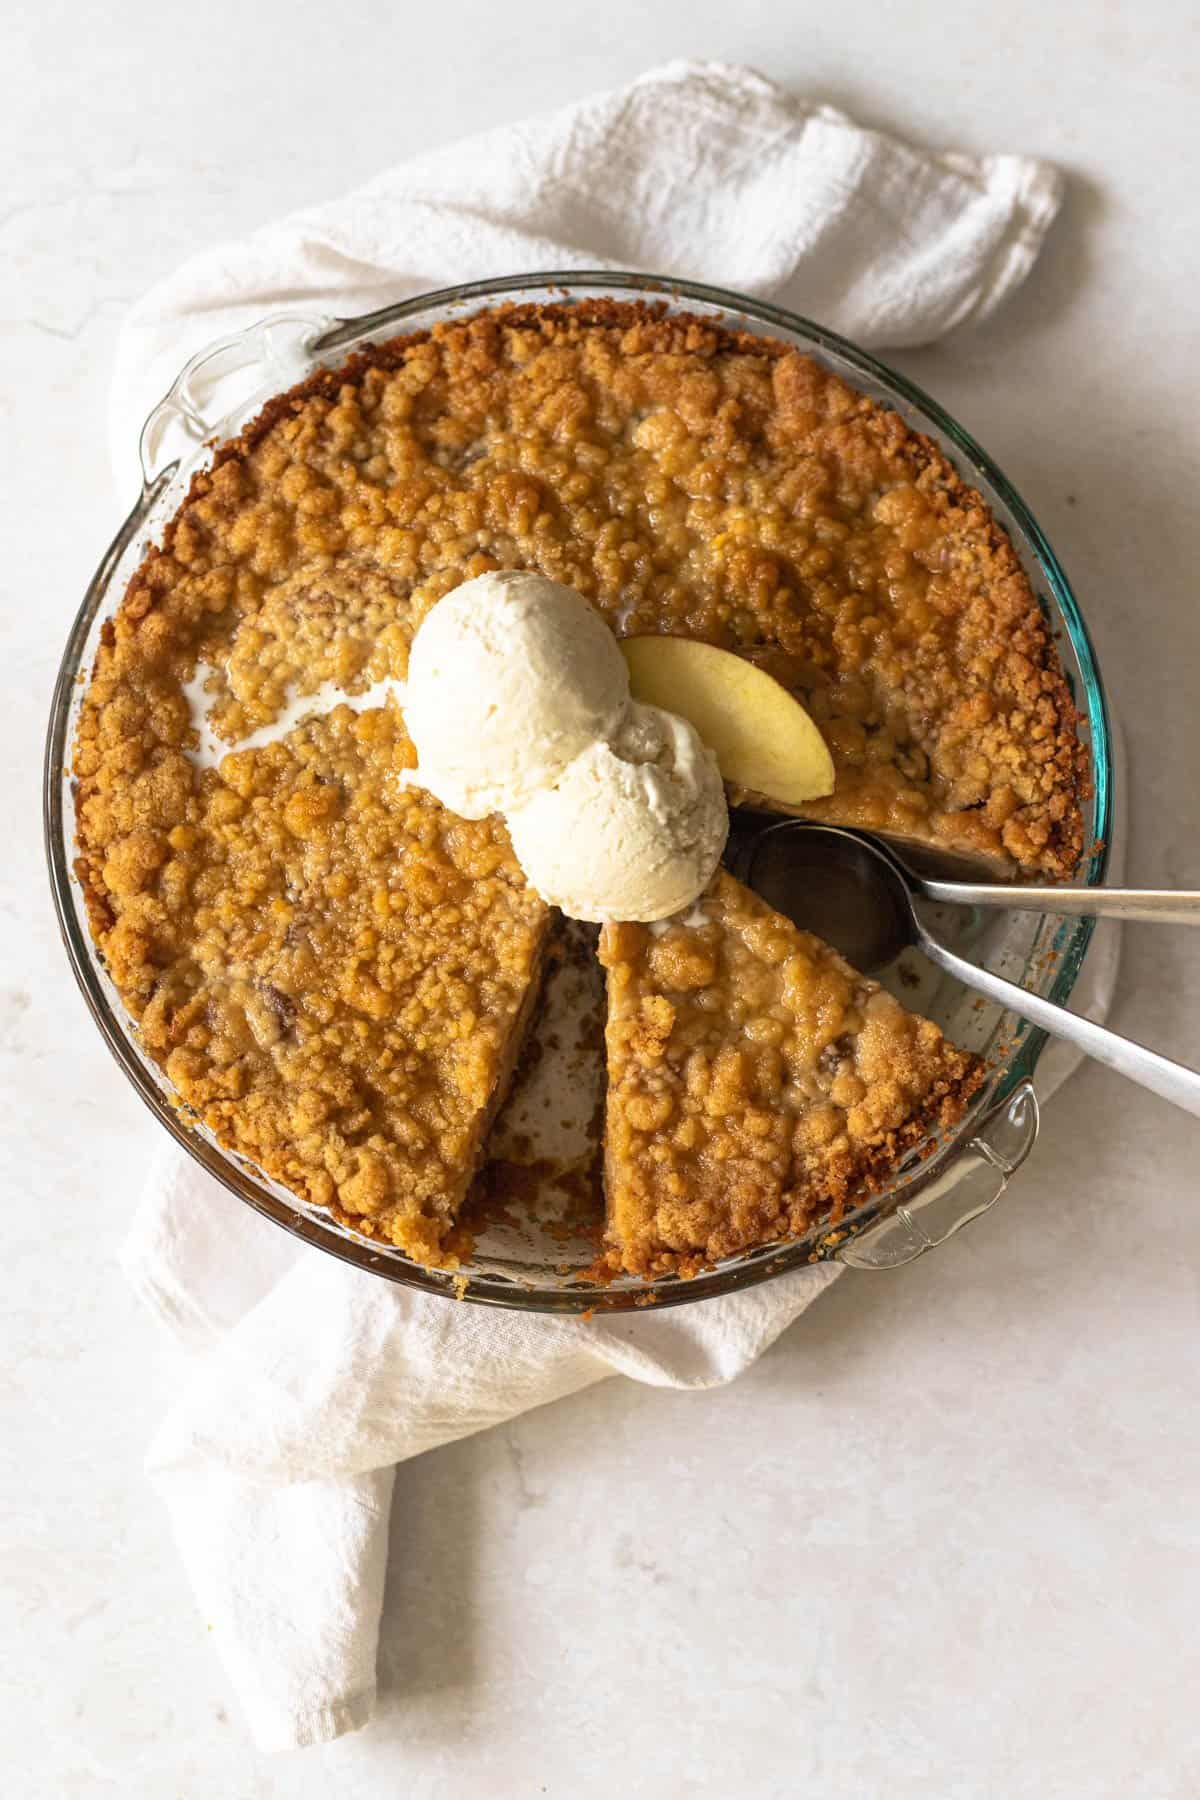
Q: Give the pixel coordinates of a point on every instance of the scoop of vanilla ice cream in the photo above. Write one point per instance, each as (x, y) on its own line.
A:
(634, 826)
(510, 677)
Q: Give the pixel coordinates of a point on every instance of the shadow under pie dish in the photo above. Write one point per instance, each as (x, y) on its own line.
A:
(344, 1016)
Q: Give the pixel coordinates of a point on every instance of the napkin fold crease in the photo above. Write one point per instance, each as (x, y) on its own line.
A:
(307, 1381)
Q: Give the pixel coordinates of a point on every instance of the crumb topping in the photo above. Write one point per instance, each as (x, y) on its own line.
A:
(333, 971)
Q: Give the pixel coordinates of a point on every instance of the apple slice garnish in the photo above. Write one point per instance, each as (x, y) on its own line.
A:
(761, 736)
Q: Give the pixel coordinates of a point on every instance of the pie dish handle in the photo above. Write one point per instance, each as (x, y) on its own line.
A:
(967, 1187)
(248, 365)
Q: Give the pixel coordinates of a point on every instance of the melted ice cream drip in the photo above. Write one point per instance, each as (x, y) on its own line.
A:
(210, 749)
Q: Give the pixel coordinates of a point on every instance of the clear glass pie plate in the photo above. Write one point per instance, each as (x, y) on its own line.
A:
(943, 1183)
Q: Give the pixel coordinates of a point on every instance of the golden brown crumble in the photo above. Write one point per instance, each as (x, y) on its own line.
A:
(693, 479)
(332, 970)
(755, 1082)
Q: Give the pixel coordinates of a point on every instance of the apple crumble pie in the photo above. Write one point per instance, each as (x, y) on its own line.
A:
(334, 971)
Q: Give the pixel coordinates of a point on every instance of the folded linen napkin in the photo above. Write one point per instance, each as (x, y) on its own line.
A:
(695, 169)
(309, 1380)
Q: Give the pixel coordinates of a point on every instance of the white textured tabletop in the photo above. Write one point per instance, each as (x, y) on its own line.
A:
(943, 1539)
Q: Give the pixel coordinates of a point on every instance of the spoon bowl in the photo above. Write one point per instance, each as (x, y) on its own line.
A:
(841, 886)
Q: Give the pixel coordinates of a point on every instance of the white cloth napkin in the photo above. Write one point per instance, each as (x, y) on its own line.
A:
(695, 169)
(308, 1380)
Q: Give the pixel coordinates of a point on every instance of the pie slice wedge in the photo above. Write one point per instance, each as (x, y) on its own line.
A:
(348, 994)
(756, 1083)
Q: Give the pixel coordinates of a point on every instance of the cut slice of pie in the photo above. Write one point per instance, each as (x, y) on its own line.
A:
(334, 974)
(756, 1083)
(347, 999)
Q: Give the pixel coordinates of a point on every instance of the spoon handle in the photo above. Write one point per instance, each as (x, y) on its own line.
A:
(1169, 1079)
(1163, 906)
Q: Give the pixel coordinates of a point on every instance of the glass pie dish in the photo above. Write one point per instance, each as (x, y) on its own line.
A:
(942, 1183)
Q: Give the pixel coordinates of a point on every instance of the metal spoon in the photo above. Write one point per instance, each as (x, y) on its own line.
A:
(856, 893)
